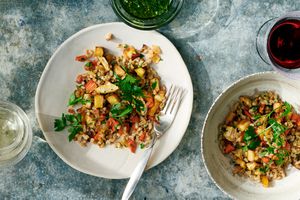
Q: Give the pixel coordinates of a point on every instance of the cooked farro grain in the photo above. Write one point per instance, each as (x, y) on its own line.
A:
(262, 137)
(117, 99)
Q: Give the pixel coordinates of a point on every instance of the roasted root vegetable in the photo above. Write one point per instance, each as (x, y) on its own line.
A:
(260, 135)
(140, 72)
(154, 108)
(107, 88)
(99, 52)
(90, 86)
(113, 99)
(119, 71)
(98, 101)
(117, 100)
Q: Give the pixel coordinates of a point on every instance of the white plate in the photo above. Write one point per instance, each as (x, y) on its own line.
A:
(58, 82)
(219, 167)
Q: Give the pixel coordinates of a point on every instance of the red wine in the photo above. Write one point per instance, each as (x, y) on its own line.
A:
(284, 43)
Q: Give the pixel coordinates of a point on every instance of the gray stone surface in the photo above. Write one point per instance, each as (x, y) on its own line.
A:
(217, 41)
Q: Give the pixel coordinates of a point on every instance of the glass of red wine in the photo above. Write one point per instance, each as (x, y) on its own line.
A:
(278, 44)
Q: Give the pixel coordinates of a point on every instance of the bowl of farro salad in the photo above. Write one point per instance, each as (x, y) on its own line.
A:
(251, 138)
(101, 94)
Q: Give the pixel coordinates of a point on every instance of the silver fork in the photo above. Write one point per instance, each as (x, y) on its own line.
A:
(167, 117)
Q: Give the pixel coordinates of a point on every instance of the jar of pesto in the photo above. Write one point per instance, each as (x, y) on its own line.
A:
(147, 14)
(15, 134)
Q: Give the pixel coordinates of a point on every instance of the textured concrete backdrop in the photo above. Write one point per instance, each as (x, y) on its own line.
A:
(215, 38)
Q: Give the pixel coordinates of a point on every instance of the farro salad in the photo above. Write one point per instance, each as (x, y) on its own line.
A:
(117, 100)
(262, 137)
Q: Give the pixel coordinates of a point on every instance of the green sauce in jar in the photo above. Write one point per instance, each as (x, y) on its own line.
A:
(146, 9)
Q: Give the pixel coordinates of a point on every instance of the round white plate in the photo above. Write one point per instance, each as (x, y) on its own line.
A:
(58, 82)
(218, 165)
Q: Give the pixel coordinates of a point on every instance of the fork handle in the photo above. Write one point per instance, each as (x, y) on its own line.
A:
(138, 171)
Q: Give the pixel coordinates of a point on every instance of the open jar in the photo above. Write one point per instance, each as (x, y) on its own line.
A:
(147, 14)
(15, 134)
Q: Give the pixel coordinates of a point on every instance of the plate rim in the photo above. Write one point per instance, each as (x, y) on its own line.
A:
(44, 75)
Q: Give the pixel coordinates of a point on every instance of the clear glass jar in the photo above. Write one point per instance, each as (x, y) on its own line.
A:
(147, 23)
(15, 134)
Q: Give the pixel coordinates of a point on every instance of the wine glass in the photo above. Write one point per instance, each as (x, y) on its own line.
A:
(278, 44)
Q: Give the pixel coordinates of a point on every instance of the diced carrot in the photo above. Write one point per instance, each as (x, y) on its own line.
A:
(124, 129)
(261, 108)
(111, 122)
(149, 102)
(287, 131)
(134, 56)
(132, 145)
(265, 159)
(97, 136)
(142, 137)
(287, 146)
(71, 110)
(121, 130)
(79, 79)
(134, 119)
(102, 117)
(247, 113)
(90, 86)
(94, 63)
(81, 58)
(229, 148)
(274, 157)
(296, 118)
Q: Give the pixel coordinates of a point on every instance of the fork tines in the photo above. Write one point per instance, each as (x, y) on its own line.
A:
(173, 96)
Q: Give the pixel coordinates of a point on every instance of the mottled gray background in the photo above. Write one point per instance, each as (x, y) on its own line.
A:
(217, 42)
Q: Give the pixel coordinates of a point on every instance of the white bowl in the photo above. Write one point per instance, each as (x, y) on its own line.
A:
(218, 165)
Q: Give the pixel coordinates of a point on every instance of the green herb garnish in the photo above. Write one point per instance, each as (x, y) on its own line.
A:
(281, 155)
(60, 124)
(118, 110)
(287, 109)
(256, 117)
(251, 139)
(131, 91)
(253, 144)
(254, 108)
(153, 86)
(264, 169)
(73, 100)
(278, 129)
(249, 134)
(71, 121)
(88, 64)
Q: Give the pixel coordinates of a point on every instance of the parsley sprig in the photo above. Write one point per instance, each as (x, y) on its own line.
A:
(119, 110)
(131, 91)
(73, 100)
(287, 109)
(251, 139)
(71, 121)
